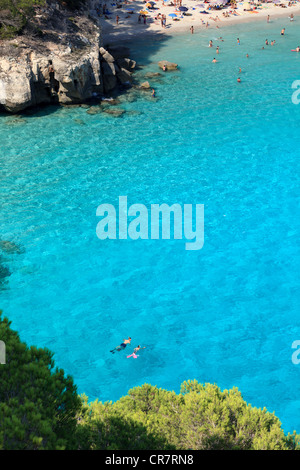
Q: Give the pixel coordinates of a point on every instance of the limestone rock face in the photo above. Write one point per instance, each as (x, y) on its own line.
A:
(71, 78)
(15, 87)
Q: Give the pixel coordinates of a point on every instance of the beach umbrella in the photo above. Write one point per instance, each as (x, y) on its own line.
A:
(173, 15)
(142, 12)
(183, 9)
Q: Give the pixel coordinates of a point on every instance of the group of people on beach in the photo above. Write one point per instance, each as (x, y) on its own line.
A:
(123, 345)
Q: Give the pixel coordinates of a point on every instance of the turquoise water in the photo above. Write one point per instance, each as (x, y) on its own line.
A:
(226, 314)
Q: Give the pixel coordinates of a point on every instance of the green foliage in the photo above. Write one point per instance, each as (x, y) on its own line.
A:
(108, 427)
(201, 417)
(38, 404)
(15, 14)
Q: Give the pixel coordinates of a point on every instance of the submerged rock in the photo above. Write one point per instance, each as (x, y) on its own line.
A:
(80, 122)
(10, 247)
(116, 112)
(4, 273)
(94, 110)
(16, 122)
(134, 112)
(110, 102)
(153, 74)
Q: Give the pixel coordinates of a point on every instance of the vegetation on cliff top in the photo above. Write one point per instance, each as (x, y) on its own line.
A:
(16, 14)
(40, 409)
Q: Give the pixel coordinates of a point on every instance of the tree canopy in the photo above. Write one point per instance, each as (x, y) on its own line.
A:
(38, 403)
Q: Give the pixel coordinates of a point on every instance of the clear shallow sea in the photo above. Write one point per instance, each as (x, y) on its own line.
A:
(226, 314)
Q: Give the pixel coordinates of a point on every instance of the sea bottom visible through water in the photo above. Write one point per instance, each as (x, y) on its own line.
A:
(226, 314)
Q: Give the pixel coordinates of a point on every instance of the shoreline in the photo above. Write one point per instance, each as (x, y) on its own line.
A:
(130, 31)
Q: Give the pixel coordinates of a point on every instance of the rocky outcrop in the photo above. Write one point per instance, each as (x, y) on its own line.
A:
(164, 64)
(71, 69)
(60, 79)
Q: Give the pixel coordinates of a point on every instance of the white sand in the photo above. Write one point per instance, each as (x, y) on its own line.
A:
(129, 28)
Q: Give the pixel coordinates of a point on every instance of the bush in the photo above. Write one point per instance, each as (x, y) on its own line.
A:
(201, 417)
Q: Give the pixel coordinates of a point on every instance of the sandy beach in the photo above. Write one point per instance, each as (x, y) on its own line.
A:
(121, 23)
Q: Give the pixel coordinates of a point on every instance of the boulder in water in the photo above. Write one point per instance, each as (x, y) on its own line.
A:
(168, 65)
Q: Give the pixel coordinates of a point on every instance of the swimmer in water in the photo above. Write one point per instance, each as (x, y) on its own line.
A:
(239, 80)
(122, 345)
(282, 32)
(214, 60)
(138, 348)
(210, 43)
(134, 355)
(153, 93)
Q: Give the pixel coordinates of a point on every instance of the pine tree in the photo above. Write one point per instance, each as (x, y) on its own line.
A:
(38, 404)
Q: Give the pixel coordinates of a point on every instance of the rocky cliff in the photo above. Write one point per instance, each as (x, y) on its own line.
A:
(60, 60)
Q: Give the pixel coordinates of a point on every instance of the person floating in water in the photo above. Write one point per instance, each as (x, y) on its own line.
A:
(134, 355)
(122, 345)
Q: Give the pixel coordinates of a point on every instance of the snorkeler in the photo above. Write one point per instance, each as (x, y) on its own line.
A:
(134, 355)
(138, 348)
(122, 345)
